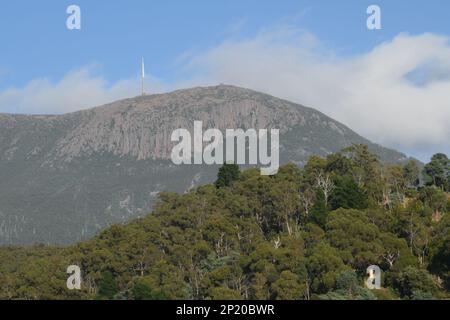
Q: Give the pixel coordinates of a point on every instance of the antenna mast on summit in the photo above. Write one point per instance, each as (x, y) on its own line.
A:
(142, 76)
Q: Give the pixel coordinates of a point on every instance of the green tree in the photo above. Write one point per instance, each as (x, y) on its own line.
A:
(422, 295)
(435, 199)
(225, 293)
(319, 211)
(315, 166)
(348, 195)
(259, 287)
(412, 280)
(143, 291)
(227, 174)
(440, 262)
(364, 163)
(348, 288)
(287, 287)
(357, 240)
(411, 172)
(324, 266)
(339, 164)
(107, 287)
(438, 171)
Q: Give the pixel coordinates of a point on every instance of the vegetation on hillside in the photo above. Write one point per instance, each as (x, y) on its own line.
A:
(304, 233)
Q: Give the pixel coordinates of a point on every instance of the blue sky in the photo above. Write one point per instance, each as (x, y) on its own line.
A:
(193, 42)
(116, 33)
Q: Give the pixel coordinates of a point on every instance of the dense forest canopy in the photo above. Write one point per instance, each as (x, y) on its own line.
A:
(305, 233)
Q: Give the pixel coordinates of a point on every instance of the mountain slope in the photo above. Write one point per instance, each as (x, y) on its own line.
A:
(63, 178)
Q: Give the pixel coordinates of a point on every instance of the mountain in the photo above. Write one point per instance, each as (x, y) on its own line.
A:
(65, 177)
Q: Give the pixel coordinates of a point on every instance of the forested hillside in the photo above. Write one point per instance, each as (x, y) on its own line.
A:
(305, 233)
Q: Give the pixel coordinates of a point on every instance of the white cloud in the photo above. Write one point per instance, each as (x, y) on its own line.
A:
(373, 93)
(79, 89)
(398, 94)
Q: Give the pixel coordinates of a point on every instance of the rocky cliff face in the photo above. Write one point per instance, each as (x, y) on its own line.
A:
(62, 178)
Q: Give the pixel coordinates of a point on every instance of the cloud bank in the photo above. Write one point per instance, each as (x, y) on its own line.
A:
(398, 94)
(80, 89)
